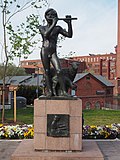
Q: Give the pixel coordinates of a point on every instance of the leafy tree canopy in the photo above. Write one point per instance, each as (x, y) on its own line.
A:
(19, 39)
(12, 70)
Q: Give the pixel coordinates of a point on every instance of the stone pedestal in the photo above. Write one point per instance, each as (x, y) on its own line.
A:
(25, 151)
(49, 146)
(71, 108)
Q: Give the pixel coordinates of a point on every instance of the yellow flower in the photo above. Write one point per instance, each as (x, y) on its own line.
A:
(6, 135)
(107, 134)
(25, 134)
(93, 126)
(108, 126)
(1, 125)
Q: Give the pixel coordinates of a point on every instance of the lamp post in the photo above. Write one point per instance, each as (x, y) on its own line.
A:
(37, 89)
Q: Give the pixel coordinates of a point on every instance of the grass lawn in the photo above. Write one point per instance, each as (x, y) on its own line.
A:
(24, 115)
(91, 117)
(101, 117)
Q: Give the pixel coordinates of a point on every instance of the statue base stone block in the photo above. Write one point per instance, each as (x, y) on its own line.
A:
(57, 133)
(58, 125)
(25, 151)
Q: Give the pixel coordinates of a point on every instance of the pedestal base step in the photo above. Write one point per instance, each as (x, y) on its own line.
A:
(25, 151)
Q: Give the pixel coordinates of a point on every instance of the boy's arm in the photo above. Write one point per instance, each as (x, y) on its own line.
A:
(46, 32)
(70, 31)
(49, 30)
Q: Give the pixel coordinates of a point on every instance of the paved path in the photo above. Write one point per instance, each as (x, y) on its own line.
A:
(7, 148)
(110, 149)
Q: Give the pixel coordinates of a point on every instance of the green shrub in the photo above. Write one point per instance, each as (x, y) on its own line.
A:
(29, 92)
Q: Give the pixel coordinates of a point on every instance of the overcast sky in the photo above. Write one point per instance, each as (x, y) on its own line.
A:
(94, 32)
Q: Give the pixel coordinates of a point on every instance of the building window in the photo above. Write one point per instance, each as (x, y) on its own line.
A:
(88, 77)
(108, 104)
(112, 64)
(90, 65)
(104, 70)
(97, 65)
(96, 70)
(104, 64)
(97, 105)
(88, 105)
(73, 92)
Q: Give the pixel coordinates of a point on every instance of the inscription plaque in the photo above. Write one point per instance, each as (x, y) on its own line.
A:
(58, 125)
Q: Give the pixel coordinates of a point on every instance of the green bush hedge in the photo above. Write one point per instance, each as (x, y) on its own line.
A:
(29, 92)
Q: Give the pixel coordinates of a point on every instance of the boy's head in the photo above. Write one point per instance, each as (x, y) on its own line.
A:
(50, 14)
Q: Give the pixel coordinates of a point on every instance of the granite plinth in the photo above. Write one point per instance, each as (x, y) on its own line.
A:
(25, 151)
(58, 98)
(43, 108)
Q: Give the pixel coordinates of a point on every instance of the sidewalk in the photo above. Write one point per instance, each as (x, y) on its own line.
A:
(109, 148)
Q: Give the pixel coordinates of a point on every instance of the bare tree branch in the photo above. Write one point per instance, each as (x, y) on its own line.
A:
(24, 7)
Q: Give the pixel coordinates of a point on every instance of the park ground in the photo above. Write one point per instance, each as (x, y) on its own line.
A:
(91, 117)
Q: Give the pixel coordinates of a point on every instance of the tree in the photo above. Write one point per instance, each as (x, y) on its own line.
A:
(12, 70)
(29, 92)
(20, 41)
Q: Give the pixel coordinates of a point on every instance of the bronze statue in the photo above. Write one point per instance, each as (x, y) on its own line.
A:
(49, 56)
(69, 75)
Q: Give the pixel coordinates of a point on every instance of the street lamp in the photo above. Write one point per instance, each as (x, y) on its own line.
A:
(37, 89)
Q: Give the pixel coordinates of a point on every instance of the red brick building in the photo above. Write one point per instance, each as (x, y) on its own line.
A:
(100, 64)
(32, 66)
(117, 85)
(94, 90)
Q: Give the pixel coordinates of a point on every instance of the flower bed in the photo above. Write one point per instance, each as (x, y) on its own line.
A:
(89, 132)
(102, 132)
(16, 131)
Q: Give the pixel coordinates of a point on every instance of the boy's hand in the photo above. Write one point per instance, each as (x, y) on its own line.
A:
(68, 20)
(55, 19)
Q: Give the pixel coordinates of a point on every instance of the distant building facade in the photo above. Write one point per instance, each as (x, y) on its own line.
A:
(95, 91)
(100, 64)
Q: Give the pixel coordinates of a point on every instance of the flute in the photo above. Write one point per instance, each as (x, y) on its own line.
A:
(67, 18)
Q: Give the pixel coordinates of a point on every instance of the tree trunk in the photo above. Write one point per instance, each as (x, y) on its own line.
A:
(6, 62)
(3, 101)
